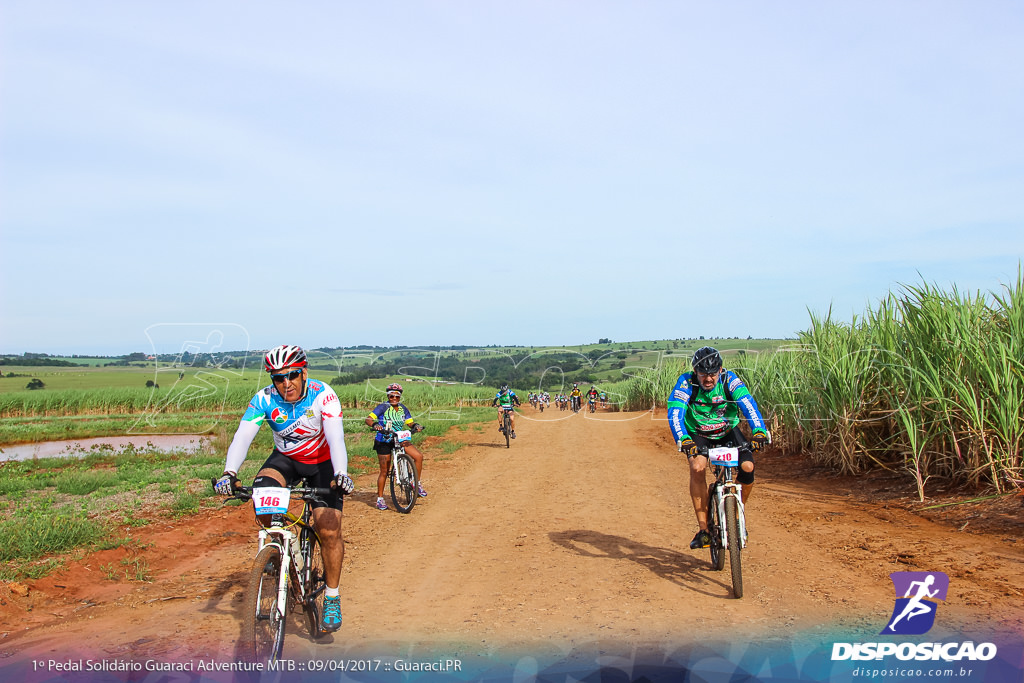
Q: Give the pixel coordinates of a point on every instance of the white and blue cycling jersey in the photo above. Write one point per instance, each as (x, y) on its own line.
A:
(307, 431)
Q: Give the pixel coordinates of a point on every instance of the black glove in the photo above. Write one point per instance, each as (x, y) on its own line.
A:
(688, 447)
(760, 441)
(417, 427)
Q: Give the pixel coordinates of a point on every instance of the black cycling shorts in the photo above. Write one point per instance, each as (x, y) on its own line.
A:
(382, 447)
(318, 475)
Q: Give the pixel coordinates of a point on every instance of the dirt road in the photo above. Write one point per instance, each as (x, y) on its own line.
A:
(573, 540)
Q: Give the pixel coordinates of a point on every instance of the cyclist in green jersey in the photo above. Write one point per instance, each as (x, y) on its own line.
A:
(703, 412)
(505, 400)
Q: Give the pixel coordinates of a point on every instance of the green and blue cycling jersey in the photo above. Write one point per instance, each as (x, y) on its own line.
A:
(711, 414)
(506, 399)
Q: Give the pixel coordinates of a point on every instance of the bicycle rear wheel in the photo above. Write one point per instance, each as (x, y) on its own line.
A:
(403, 483)
(715, 530)
(262, 621)
(735, 562)
(316, 582)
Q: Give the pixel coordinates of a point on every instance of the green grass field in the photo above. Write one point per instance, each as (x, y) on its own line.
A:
(54, 509)
(325, 367)
(94, 400)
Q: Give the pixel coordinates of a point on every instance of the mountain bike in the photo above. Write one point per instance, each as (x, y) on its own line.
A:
(288, 570)
(575, 400)
(726, 523)
(593, 405)
(506, 426)
(402, 472)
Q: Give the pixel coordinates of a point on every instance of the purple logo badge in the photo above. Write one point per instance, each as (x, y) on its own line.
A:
(916, 596)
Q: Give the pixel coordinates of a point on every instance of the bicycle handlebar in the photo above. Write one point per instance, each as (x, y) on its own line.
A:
(703, 450)
(391, 432)
(306, 493)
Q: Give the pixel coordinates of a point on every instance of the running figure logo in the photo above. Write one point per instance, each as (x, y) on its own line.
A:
(914, 613)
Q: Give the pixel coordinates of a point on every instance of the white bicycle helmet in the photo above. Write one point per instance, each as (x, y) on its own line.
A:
(284, 356)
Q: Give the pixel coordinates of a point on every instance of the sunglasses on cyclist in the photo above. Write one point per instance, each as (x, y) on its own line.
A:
(286, 375)
(394, 394)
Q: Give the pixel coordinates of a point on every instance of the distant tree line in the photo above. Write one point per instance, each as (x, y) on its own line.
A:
(526, 371)
(34, 360)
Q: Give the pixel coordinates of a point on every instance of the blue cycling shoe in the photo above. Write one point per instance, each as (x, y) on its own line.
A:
(332, 615)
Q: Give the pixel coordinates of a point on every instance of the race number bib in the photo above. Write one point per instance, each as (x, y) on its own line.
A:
(404, 435)
(271, 500)
(726, 457)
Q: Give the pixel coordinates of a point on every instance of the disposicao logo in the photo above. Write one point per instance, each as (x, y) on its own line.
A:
(914, 613)
(917, 594)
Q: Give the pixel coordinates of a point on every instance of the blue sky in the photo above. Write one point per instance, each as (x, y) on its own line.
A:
(537, 173)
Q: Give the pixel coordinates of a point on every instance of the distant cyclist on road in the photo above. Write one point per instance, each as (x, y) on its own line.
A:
(309, 442)
(575, 396)
(393, 416)
(505, 400)
(592, 397)
(703, 411)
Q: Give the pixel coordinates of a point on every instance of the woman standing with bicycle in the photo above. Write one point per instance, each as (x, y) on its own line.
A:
(309, 443)
(703, 412)
(393, 416)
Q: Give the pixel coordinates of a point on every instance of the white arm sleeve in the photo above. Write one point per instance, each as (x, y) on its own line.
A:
(239, 447)
(334, 432)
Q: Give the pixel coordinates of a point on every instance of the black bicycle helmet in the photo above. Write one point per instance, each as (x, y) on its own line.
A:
(707, 360)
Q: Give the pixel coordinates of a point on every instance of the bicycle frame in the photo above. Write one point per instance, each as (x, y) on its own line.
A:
(726, 519)
(280, 534)
(397, 449)
(399, 440)
(726, 487)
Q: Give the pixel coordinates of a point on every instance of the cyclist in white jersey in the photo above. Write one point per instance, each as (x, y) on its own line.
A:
(309, 442)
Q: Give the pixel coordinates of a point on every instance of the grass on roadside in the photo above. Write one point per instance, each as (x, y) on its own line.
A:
(55, 505)
(32, 533)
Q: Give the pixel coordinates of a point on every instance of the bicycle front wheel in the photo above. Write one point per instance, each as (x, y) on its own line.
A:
(735, 563)
(316, 582)
(263, 621)
(404, 484)
(508, 431)
(715, 530)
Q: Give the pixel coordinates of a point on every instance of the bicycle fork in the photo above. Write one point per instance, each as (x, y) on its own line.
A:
(731, 490)
(282, 538)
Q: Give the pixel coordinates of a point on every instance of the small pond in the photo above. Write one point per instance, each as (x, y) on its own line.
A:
(79, 447)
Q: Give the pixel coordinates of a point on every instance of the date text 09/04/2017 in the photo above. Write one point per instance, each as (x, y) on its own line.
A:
(355, 665)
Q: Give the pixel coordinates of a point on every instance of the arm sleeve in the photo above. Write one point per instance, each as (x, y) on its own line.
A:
(239, 447)
(678, 401)
(745, 400)
(334, 432)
